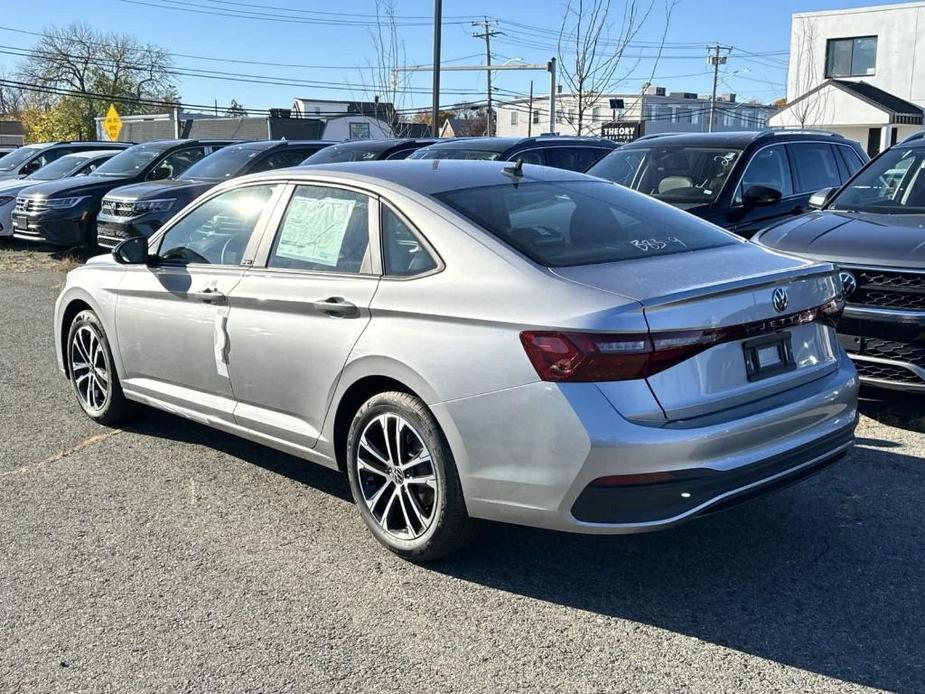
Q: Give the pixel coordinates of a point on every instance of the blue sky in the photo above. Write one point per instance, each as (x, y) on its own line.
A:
(339, 54)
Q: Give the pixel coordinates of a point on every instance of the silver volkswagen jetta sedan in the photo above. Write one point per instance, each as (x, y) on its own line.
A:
(473, 340)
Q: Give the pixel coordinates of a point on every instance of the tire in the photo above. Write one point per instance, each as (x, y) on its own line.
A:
(92, 371)
(417, 510)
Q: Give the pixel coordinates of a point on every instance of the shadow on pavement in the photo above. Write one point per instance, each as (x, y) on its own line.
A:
(825, 576)
(162, 425)
(894, 408)
(819, 576)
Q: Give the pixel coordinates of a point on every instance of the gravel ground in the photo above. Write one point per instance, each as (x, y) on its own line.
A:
(169, 557)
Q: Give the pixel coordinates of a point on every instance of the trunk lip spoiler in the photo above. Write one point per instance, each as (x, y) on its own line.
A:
(757, 281)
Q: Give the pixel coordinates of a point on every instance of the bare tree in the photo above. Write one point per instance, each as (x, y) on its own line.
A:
(806, 77)
(235, 110)
(88, 69)
(592, 50)
(387, 83)
(12, 98)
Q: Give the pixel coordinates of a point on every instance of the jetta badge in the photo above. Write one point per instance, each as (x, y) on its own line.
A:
(849, 283)
(779, 300)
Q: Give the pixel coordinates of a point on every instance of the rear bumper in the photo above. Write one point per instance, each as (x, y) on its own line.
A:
(697, 491)
(528, 455)
(887, 345)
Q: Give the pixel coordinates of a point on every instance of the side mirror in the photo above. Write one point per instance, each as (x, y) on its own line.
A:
(132, 251)
(159, 174)
(760, 196)
(820, 198)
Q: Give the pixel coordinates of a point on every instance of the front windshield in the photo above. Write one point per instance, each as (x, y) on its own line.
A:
(341, 153)
(674, 174)
(59, 168)
(18, 156)
(453, 153)
(131, 161)
(225, 163)
(894, 183)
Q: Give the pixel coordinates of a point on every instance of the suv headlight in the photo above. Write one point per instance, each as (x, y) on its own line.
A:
(162, 205)
(62, 203)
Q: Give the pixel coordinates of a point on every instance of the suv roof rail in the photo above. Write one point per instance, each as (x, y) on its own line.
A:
(800, 131)
(914, 136)
(657, 135)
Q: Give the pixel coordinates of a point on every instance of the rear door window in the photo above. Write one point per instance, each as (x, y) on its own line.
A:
(582, 222)
(177, 162)
(282, 160)
(574, 158)
(769, 167)
(851, 159)
(815, 167)
(324, 229)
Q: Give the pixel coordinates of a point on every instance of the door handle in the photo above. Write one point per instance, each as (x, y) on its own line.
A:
(338, 307)
(209, 295)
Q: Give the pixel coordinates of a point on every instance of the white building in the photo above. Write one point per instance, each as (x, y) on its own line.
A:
(860, 72)
(349, 120)
(659, 110)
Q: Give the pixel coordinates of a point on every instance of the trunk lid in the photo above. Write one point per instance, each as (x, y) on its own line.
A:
(723, 289)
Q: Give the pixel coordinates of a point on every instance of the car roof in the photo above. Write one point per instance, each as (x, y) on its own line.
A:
(502, 144)
(383, 145)
(425, 176)
(733, 138)
(264, 145)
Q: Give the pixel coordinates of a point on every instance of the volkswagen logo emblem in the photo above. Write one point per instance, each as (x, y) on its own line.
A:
(779, 300)
(849, 283)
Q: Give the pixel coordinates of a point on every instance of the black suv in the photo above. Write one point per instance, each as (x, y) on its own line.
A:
(367, 150)
(28, 159)
(559, 151)
(742, 181)
(63, 212)
(873, 229)
(142, 208)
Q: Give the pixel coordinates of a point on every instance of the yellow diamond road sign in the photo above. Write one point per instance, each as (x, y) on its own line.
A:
(112, 124)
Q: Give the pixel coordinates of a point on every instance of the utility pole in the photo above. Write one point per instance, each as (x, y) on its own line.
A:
(715, 59)
(435, 110)
(486, 34)
(530, 114)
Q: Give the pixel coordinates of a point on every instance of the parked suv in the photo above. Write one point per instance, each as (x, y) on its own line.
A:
(141, 208)
(77, 164)
(571, 153)
(741, 181)
(874, 230)
(63, 213)
(368, 150)
(28, 159)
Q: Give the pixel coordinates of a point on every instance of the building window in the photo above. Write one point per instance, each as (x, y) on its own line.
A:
(513, 117)
(536, 116)
(359, 131)
(854, 57)
(597, 114)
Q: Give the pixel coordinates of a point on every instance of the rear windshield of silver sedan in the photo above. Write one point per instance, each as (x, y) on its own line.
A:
(453, 153)
(559, 224)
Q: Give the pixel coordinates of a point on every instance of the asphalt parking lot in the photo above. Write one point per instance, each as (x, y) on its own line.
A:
(169, 557)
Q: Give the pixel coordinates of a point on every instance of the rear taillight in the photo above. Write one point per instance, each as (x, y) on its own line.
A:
(581, 356)
(572, 356)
